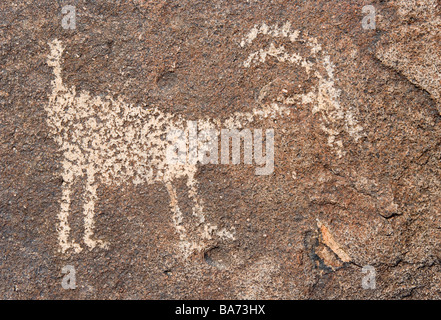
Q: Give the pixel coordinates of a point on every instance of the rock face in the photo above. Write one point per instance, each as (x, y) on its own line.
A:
(353, 191)
(412, 44)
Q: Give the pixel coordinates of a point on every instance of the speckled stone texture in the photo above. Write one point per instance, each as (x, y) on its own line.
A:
(356, 181)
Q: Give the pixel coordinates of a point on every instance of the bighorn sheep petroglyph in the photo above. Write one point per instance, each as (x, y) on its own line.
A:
(110, 141)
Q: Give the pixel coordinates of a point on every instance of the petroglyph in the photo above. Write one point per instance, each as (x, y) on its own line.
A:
(109, 141)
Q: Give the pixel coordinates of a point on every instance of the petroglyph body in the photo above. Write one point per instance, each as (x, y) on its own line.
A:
(110, 141)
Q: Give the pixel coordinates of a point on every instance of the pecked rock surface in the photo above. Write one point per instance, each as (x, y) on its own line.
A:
(356, 179)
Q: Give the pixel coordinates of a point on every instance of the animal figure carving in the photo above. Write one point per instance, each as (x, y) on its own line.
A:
(110, 141)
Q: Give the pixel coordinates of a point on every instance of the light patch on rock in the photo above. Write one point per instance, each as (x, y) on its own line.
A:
(328, 240)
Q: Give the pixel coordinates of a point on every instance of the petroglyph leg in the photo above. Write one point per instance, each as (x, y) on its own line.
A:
(89, 213)
(177, 218)
(63, 216)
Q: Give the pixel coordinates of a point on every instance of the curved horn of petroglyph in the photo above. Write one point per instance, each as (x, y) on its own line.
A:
(324, 99)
